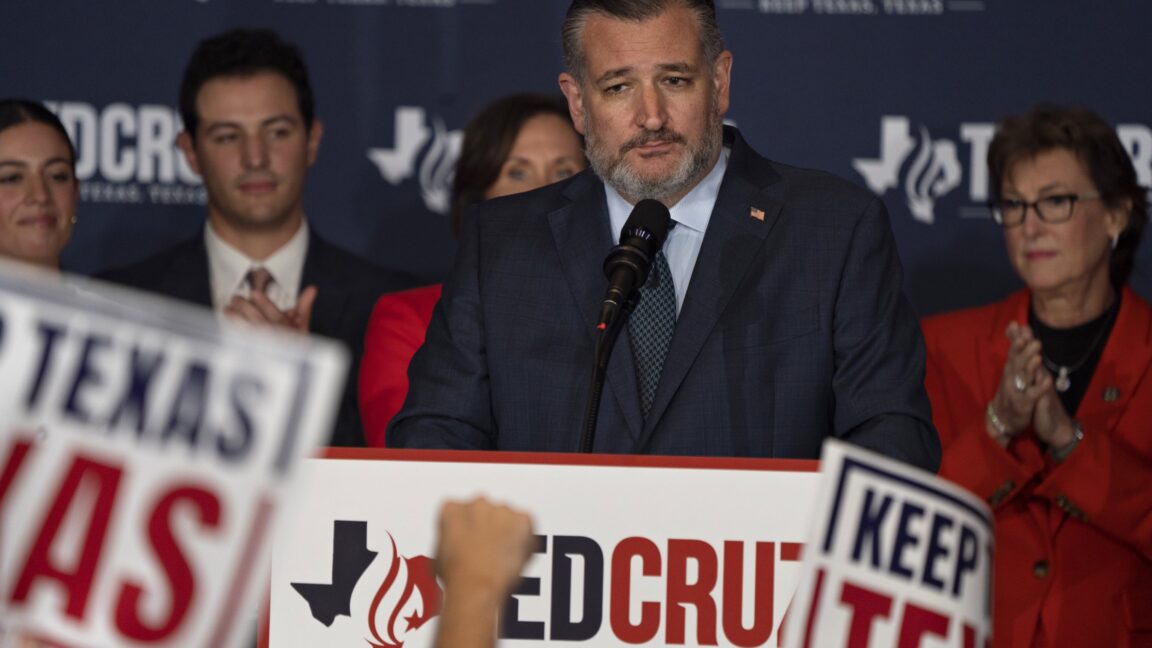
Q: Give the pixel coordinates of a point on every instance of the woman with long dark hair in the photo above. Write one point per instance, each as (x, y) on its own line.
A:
(515, 144)
(38, 187)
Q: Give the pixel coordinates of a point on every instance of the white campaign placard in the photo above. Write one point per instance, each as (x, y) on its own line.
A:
(145, 449)
(897, 557)
(686, 553)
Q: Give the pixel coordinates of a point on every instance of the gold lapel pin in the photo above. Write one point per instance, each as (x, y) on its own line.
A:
(756, 213)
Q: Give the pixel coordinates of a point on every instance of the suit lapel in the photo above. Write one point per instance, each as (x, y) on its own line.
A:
(582, 235)
(740, 224)
(331, 298)
(1123, 364)
(190, 280)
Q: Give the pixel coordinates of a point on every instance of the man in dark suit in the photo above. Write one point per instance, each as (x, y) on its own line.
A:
(790, 325)
(251, 133)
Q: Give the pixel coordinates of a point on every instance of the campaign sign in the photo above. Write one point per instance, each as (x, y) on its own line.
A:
(647, 551)
(145, 449)
(897, 557)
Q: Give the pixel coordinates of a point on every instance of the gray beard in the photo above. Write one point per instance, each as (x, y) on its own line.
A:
(626, 180)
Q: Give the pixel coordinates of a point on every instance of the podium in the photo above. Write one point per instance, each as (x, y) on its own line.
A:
(632, 550)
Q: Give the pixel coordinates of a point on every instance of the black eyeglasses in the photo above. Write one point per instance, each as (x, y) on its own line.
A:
(1010, 212)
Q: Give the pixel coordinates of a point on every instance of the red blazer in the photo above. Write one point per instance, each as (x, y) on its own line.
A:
(395, 331)
(1073, 540)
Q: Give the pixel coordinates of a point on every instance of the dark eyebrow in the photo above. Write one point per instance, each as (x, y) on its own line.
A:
(683, 68)
(611, 74)
(1059, 185)
(292, 121)
(220, 126)
(1053, 186)
(267, 122)
(22, 165)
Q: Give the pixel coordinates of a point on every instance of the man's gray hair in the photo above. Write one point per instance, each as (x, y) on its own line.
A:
(711, 43)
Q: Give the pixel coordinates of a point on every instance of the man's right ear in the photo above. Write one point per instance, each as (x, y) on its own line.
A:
(571, 89)
(188, 148)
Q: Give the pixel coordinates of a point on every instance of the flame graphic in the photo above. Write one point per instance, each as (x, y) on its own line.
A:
(420, 581)
(438, 166)
(934, 172)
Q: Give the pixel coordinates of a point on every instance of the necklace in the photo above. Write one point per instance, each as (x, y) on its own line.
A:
(1063, 382)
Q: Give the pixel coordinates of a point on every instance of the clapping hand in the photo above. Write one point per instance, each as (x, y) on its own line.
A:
(259, 309)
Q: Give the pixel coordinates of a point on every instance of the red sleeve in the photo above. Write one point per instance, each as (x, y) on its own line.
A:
(395, 331)
(1104, 483)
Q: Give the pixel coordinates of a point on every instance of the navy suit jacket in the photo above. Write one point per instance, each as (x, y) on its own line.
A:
(794, 328)
(347, 285)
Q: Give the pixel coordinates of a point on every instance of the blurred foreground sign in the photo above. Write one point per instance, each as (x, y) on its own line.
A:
(898, 557)
(145, 450)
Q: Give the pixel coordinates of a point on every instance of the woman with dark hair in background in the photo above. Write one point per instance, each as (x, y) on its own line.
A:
(1043, 401)
(38, 187)
(515, 144)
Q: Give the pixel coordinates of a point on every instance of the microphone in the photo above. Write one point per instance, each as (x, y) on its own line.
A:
(628, 263)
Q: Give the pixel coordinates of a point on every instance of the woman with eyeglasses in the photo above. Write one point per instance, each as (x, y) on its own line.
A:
(1043, 401)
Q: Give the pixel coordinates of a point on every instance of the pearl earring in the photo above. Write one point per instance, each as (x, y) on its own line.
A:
(1115, 240)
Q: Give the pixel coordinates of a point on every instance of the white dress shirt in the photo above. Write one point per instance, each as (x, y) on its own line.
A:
(691, 216)
(228, 269)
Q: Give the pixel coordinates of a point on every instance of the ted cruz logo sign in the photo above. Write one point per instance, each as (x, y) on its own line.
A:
(637, 591)
(404, 599)
(928, 168)
(934, 170)
(436, 149)
(127, 154)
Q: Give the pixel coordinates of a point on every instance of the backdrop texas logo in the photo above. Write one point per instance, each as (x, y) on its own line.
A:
(386, 596)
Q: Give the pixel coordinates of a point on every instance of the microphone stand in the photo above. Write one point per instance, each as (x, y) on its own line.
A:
(605, 341)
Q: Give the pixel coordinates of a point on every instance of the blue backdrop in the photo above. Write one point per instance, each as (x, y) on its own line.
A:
(896, 95)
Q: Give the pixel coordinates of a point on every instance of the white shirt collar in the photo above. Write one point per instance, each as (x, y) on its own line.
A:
(692, 213)
(228, 268)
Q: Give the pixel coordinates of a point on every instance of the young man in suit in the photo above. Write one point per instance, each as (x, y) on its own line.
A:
(251, 134)
(788, 323)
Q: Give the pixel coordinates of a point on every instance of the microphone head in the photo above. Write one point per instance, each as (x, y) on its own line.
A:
(648, 222)
(640, 239)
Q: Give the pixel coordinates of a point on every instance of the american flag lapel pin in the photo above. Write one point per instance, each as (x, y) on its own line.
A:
(756, 213)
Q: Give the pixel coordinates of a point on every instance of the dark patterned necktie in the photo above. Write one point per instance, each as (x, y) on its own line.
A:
(259, 279)
(650, 328)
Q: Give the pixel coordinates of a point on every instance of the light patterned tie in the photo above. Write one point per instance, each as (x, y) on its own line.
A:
(650, 328)
(258, 280)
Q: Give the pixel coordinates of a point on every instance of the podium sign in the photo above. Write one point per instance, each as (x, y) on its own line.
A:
(144, 451)
(631, 550)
